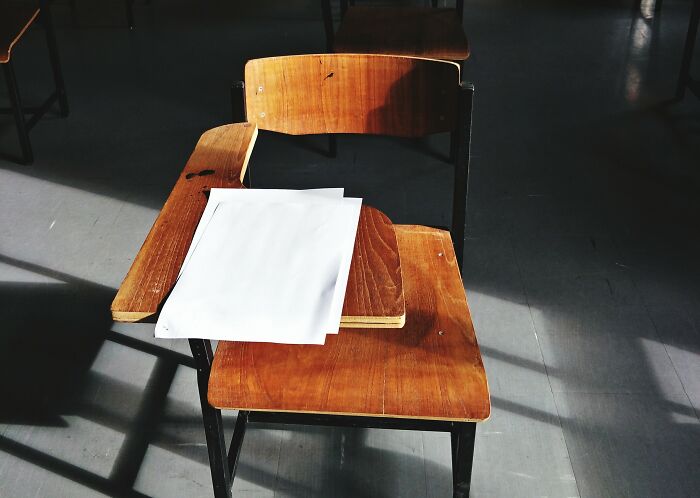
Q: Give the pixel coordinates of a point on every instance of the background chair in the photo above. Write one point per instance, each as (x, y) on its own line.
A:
(15, 20)
(434, 33)
(364, 94)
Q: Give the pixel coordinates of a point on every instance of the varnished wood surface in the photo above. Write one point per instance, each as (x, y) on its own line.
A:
(219, 160)
(421, 32)
(352, 93)
(430, 369)
(374, 295)
(15, 19)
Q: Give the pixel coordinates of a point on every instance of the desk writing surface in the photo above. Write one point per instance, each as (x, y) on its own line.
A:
(374, 295)
(430, 369)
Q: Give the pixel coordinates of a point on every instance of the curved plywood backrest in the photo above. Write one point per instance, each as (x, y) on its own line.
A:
(352, 93)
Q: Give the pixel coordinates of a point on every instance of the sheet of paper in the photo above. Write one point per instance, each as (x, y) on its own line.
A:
(265, 272)
(217, 195)
(346, 247)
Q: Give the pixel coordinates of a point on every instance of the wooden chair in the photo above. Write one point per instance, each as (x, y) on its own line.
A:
(364, 94)
(434, 33)
(15, 20)
(426, 376)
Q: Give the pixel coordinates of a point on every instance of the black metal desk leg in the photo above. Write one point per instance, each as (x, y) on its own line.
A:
(55, 61)
(462, 456)
(213, 424)
(18, 111)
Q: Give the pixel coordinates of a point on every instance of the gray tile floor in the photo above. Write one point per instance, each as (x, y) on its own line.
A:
(581, 260)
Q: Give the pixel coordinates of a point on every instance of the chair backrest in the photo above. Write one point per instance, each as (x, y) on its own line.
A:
(352, 93)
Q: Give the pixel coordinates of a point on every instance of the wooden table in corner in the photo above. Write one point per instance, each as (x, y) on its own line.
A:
(405, 358)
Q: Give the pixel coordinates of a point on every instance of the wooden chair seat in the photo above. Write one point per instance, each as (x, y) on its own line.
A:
(430, 369)
(419, 32)
(15, 19)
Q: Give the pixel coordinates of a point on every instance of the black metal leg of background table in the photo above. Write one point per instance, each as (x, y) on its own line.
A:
(55, 61)
(18, 112)
(684, 78)
(129, 6)
(462, 457)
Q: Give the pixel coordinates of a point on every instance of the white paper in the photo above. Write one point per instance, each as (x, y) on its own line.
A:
(265, 271)
(217, 195)
(346, 247)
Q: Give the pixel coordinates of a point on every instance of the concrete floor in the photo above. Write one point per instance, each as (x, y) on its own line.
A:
(581, 259)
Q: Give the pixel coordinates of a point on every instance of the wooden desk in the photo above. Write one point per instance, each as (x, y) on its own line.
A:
(374, 294)
(427, 375)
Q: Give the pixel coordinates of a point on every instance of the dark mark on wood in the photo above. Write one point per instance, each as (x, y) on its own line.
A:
(204, 172)
(329, 75)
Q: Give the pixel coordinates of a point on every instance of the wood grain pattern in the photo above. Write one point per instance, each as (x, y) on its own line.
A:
(219, 160)
(430, 369)
(414, 31)
(374, 294)
(352, 93)
(15, 19)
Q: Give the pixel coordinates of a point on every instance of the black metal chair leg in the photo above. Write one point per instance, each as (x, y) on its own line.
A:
(18, 112)
(55, 60)
(213, 424)
(234, 450)
(462, 457)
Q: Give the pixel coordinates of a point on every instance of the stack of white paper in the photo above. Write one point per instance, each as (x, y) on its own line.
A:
(265, 266)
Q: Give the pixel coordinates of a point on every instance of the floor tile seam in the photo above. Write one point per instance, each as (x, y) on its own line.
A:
(613, 393)
(276, 485)
(673, 365)
(425, 468)
(544, 364)
(529, 278)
